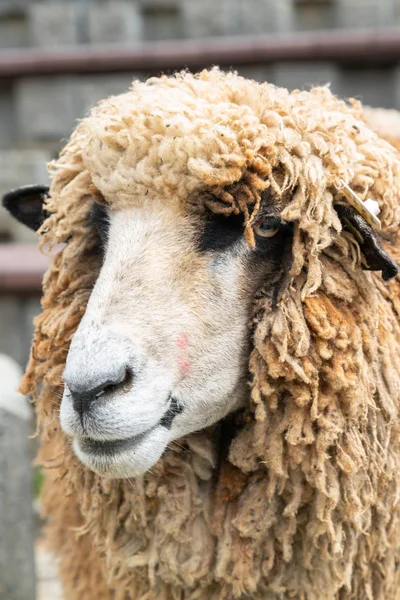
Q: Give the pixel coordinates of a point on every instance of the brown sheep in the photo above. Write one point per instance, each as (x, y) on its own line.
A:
(230, 397)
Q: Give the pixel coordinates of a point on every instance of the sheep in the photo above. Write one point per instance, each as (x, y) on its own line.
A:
(385, 122)
(216, 367)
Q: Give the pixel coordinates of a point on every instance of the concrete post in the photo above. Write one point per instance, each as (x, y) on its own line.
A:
(17, 573)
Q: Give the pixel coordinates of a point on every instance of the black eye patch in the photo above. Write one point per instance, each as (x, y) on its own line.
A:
(98, 218)
(220, 232)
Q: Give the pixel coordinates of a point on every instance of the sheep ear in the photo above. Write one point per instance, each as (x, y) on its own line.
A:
(26, 204)
(376, 258)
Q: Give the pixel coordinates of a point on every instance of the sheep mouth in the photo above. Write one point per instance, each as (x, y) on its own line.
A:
(112, 447)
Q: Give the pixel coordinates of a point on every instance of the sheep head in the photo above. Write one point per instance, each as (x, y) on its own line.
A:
(189, 203)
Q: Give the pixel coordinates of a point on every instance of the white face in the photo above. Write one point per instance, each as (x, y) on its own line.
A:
(163, 347)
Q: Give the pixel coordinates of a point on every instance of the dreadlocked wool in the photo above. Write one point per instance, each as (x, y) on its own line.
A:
(299, 498)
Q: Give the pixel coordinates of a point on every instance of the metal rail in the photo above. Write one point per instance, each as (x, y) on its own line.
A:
(21, 269)
(360, 46)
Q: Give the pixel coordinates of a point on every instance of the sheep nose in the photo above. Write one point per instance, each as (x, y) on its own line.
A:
(83, 396)
(99, 366)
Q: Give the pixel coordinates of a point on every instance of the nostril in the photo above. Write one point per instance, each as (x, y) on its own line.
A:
(83, 399)
(123, 384)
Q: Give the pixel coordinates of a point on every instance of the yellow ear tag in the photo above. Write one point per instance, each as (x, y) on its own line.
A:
(368, 209)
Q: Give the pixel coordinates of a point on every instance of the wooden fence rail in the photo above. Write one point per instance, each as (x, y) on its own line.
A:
(21, 269)
(346, 46)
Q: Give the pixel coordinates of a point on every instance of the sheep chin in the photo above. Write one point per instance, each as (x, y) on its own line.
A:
(133, 460)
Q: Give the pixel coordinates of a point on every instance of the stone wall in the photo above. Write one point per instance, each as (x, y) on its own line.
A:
(37, 114)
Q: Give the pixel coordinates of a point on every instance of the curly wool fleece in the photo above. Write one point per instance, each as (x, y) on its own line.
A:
(299, 496)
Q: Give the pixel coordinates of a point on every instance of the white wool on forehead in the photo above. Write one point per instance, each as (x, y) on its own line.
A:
(168, 143)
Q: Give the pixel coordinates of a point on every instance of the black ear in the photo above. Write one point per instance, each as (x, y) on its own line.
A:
(26, 204)
(377, 259)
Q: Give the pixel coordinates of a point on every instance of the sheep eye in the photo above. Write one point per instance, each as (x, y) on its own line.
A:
(267, 227)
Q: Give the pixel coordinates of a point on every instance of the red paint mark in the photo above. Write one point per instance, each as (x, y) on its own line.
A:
(182, 343)
(184, 366)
